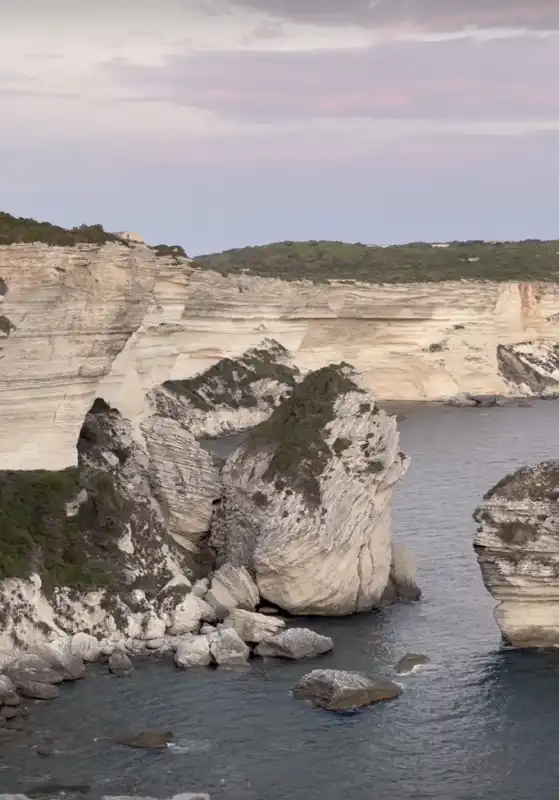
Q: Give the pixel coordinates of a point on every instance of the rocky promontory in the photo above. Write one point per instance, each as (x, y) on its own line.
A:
(517, 545)
(306, 498)
(139, 549)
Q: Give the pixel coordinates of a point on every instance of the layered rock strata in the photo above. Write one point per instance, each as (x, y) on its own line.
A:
(306, 500)
(517, 545)
(118, 321)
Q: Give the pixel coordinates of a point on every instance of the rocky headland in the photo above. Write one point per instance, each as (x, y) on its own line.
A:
(122, 535)
(152, 545)
(517, 545)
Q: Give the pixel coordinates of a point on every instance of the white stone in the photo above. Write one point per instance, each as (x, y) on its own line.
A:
(227, 648)
(193, 652)
(232, 587)
(189, 614)
(86, 646)
(253, 627)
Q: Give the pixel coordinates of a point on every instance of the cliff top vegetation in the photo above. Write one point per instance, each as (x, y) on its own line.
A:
(295, 431)
(25, 230)
(230, 382)
(17, 230)
(320, 261)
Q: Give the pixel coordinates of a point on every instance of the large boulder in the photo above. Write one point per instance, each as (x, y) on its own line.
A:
(120, 664)
(253, 627)
(60, 658)
(517, 545)
(295, 643)
(193, 651)
(306, 501)
(86, 646)
(228, 649)
(338, 690)
(232, 587)
(189, 614)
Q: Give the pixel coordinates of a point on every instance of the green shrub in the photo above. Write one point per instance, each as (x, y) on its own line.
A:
(229, 381)
(319, 261)
(295, 432)
(37, 536)
(21, 229)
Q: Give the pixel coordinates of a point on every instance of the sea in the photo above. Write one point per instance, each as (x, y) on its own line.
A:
(480, 723)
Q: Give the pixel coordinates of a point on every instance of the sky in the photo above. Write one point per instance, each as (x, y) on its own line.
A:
(215, 124)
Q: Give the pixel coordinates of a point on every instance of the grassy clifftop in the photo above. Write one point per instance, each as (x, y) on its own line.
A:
(319, 261)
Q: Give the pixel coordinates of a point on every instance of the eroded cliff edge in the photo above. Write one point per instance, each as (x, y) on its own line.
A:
(117, 321)
(517, 545)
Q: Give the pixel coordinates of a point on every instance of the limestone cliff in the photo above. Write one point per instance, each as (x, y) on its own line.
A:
(65, 315)
(118, 321)
(306, 499)
(517, 545)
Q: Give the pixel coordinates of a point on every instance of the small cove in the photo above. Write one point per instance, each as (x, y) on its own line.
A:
(480, 723)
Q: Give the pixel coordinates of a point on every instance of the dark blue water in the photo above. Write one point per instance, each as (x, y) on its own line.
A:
(482, 724)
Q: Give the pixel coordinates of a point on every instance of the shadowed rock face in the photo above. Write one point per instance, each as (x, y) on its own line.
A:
(517, 545)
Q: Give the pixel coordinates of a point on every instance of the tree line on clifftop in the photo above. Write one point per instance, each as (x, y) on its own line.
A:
(320, 261)
(19, 230)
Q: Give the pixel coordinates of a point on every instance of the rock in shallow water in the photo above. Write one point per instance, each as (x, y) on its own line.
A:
(146, 740)
(517, 545)
(193, 652)
(87, 647)
(295, 643)
(228, 649)
(120, 664)
(338, 690)
(253, 627)
(410, 662)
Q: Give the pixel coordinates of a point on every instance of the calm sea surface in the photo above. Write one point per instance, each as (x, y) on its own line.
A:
(482, 723)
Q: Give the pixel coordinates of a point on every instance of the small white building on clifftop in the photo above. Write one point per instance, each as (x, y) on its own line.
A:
(127, 236)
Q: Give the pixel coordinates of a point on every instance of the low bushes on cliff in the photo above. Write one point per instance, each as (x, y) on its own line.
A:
(67, 547)
(319, 261)
(230, 382)
(21, 229)
(296, 430)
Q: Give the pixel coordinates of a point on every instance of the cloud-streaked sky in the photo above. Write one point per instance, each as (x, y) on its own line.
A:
(216, 124)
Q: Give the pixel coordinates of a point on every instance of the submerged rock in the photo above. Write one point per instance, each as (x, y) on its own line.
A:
(410, 662)
(295, 643)
(338, 690)
(147, 740)
(306, 501)
(517, 545)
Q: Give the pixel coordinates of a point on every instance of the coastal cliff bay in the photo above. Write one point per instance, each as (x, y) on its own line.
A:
(121, 534)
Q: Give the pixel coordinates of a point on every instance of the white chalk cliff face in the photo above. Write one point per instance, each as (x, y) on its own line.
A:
(306, 499)
(117, 322)
(517, 546)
